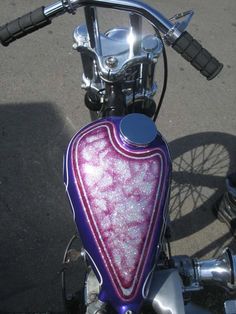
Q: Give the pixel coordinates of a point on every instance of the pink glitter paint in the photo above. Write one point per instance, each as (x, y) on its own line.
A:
(119, 189)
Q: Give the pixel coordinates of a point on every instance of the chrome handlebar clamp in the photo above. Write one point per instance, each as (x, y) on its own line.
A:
(120, 56)
(117, 54)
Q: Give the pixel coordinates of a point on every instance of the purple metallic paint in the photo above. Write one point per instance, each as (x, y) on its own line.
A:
(108, 292)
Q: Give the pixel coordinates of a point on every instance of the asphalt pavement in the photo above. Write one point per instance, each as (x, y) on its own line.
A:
(41, 107)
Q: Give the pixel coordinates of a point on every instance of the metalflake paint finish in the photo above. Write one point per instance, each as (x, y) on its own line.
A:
(118, 195)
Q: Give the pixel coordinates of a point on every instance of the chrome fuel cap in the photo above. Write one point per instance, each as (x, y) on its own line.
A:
(137, 129)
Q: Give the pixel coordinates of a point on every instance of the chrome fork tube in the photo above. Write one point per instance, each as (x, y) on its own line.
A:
(93, 28)
(136, 27)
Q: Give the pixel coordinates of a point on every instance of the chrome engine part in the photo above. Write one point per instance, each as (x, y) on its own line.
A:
(166, 283)
(91, 291)
(220, 271)
(166, 294)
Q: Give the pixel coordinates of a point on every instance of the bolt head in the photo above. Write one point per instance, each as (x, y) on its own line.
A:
(111, 62)
(75, 46)
(93, 297)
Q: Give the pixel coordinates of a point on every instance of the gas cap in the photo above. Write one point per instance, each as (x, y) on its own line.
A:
(138, 130)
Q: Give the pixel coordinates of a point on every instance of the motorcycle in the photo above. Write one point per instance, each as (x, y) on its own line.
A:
(117, 169)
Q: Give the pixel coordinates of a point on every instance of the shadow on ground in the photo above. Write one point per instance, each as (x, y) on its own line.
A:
(36, 221)
(201, 163)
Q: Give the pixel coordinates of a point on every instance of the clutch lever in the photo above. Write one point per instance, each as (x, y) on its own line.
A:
(181, 26)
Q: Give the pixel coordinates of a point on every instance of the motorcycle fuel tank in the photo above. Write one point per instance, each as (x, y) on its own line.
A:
(117, 173)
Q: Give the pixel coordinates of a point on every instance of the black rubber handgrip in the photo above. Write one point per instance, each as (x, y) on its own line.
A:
(23, 25)
(200, 58)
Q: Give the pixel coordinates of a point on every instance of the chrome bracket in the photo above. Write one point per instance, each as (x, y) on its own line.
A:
(182, 25)
(179, 27)
(68, 6)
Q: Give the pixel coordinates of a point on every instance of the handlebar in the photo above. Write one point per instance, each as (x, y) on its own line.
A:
(23, 26)
(192, 51)
(182, 42)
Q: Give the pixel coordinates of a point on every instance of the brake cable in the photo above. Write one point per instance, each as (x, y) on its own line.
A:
(165, 79)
